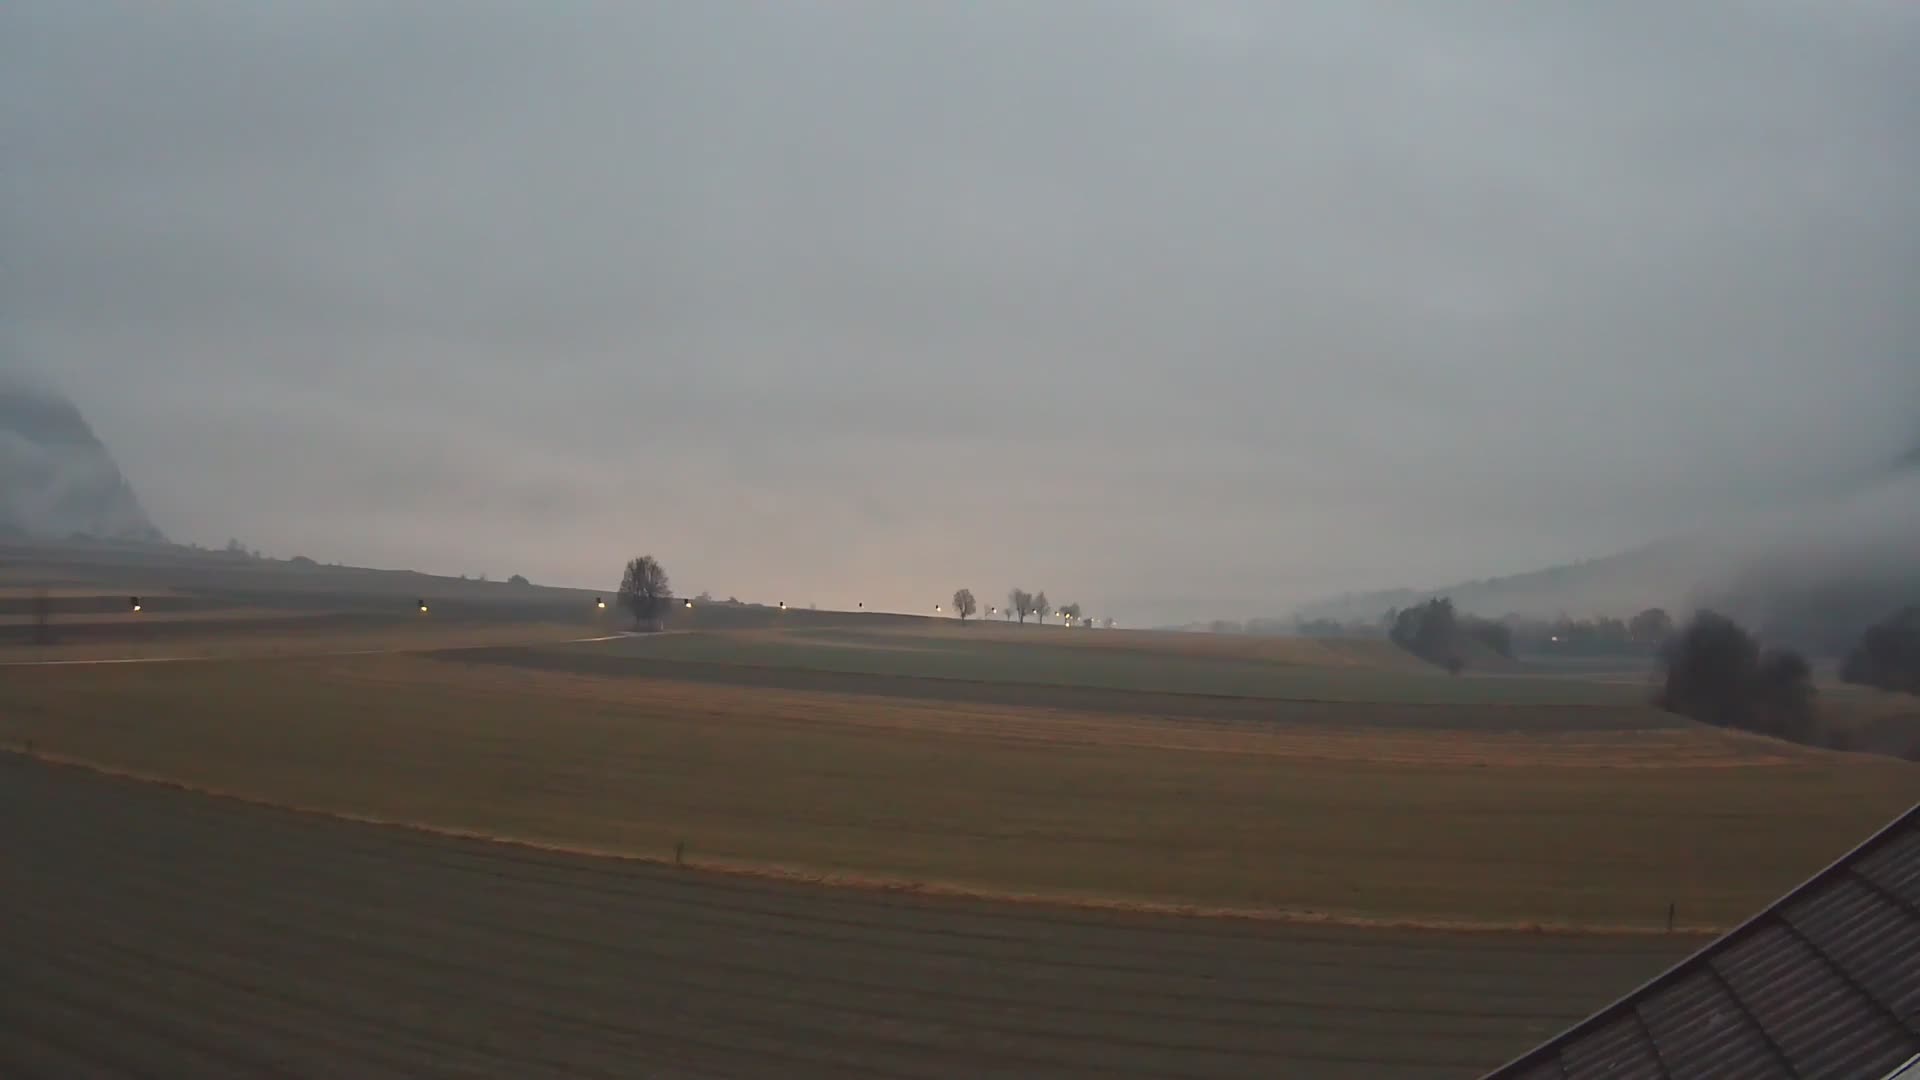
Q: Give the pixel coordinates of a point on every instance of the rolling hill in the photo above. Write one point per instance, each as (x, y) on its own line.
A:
(1812, 573)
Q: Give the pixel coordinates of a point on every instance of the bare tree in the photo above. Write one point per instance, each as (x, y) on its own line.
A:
(964, 604)
(1020, 602)
(645, 592)
(1040, 608)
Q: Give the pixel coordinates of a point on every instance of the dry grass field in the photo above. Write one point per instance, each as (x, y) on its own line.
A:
(1205, 664)
(1376, 831)
(1369, 812)
(1295, 651)
(148, 932)
(229, 633)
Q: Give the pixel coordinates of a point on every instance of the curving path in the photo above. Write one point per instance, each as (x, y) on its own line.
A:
(150, 931)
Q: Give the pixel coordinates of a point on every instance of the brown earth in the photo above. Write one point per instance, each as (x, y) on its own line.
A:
(152, 932)
(1346, 813)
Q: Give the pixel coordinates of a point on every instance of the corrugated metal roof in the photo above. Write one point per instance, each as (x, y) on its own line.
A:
(1825, 983)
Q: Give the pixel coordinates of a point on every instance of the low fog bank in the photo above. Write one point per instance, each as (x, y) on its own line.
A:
(57, 479)
(1812, 573)
(1815, 577)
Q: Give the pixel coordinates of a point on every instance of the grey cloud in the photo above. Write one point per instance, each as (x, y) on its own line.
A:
(1278, 301)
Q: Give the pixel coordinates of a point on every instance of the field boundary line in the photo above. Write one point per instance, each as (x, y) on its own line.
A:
(417, 650)
(774, 873)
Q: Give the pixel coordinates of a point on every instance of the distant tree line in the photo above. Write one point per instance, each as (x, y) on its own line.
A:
(1887, 655)
(1824, 616)
(1602, 635)
(1433, 622)
(1021, 603)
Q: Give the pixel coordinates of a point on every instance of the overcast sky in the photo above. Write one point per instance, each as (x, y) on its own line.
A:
(1177, 309)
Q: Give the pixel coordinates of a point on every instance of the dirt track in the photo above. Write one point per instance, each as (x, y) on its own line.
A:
(149, 931)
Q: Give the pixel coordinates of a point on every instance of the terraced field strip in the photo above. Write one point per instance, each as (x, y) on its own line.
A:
(1426, 734)
(1039, 658)
(277, 636)
(1370, 823)
(691, 657)
(1373, 654)
(152, 931)
(248, 616)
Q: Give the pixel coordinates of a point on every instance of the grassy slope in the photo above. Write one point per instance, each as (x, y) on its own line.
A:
(1363, 820)
(1289, 668)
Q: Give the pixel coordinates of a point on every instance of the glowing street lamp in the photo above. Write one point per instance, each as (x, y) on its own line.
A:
(689, 605)
(423, 607)
(133, 602)
(599, 604)
(936, 609)
(783, 605)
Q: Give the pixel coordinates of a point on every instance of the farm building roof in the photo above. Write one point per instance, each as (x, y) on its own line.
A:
(1825, 983)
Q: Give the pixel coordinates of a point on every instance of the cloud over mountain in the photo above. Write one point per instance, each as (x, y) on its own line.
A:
(56, 477)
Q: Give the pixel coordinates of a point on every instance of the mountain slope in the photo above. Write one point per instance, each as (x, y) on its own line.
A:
(56, 478)
(1812, 573)
(1656, 575)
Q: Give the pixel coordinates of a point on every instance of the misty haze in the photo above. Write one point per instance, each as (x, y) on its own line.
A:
(974, 539)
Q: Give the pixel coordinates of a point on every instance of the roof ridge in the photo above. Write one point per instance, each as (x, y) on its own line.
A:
(1842, 868)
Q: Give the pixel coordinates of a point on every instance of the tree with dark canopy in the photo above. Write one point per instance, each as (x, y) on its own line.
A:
(1717, 674)
(1650, 628)
(1020, 602)
(1783, 696)
(1428, 631)
(1492, 633)
(645, 591)
(964, 604)
(1888, 654)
